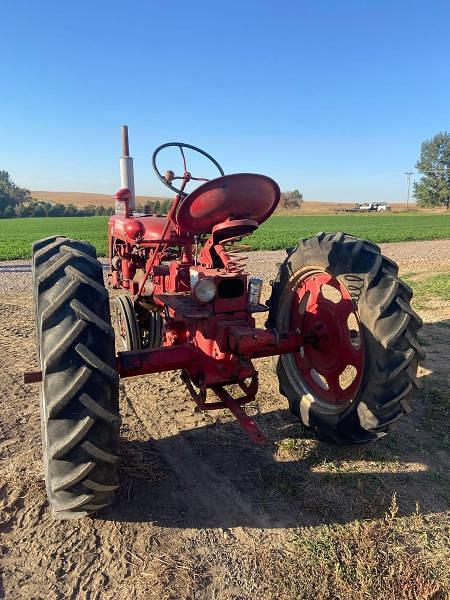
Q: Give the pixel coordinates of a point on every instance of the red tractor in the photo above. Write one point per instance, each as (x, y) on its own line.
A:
(340, 327)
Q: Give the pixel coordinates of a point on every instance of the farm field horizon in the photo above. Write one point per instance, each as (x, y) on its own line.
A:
(83, 199)
(280, 231)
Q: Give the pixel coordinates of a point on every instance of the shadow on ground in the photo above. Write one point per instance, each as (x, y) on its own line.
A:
(213, 476)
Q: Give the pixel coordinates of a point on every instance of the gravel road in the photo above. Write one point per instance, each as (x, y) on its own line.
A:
(15, 275)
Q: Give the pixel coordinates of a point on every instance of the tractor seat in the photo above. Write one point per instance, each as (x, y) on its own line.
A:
(238, 197)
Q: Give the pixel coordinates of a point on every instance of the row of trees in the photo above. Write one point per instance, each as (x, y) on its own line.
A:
(11, 195)
(17, 202)
(37, 208)
(155, 207)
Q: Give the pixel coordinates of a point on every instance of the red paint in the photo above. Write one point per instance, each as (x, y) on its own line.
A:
(239, 196)
(123, 197)
(327, 343)
(134, 229)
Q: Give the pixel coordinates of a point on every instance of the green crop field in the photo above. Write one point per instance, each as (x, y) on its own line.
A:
(17, 235)
(282, 231)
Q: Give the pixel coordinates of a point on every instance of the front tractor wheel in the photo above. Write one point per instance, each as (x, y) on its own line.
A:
(352, 376)
(138, 326)
(80, 386)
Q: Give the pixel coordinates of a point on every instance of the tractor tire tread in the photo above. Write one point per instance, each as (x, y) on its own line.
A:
(75, 434)
(98, 410)
(70, 392)
(79, 404)
(98, 453)
(96, 362)
(76, 475)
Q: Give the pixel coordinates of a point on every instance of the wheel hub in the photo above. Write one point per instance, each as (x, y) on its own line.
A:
(331, 358)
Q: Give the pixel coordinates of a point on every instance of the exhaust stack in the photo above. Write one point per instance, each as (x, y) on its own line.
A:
(126, 168)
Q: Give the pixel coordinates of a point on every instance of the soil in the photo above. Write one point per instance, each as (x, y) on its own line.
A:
(199, 506)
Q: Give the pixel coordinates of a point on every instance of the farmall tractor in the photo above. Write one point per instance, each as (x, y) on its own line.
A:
(339, 325)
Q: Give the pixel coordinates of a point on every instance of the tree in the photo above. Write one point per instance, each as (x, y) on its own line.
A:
(23, 210)
(434, 164)
(70, 211)
(100, 211)
(56, 210)
(89, 210)
(165, 205)
(157, 207)
(46, 206)
(9, 212)
(38, 211)
(292, 199)
(10, 193)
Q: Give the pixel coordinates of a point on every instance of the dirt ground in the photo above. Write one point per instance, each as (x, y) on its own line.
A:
(201, 512)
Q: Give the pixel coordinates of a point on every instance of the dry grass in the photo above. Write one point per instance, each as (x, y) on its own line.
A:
(139, 462)
(162, 576)
(390, 558)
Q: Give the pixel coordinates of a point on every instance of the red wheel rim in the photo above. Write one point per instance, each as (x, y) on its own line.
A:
(331, 358)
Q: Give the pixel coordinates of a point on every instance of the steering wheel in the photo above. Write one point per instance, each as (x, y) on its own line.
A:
(186, 177)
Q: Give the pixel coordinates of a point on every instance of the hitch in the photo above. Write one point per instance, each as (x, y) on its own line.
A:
(246, 422)
(226, 400)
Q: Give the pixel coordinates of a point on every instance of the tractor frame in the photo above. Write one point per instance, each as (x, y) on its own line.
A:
(158, 261)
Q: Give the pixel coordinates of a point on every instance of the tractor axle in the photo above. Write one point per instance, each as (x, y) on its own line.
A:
(244, 342)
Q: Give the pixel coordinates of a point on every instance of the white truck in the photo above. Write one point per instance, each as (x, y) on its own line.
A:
(373, 206)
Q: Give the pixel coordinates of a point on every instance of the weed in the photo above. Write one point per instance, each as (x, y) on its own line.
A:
(395, 557)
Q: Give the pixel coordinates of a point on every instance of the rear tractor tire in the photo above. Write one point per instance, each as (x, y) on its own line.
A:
(80, 387)
(356, 368)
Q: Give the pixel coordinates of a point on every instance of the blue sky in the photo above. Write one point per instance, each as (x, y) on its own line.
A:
(332, 97)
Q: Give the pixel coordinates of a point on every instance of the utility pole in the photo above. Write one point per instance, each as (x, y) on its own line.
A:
(408, 179)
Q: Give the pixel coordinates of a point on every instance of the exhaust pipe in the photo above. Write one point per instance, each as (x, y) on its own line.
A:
(126, 168)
